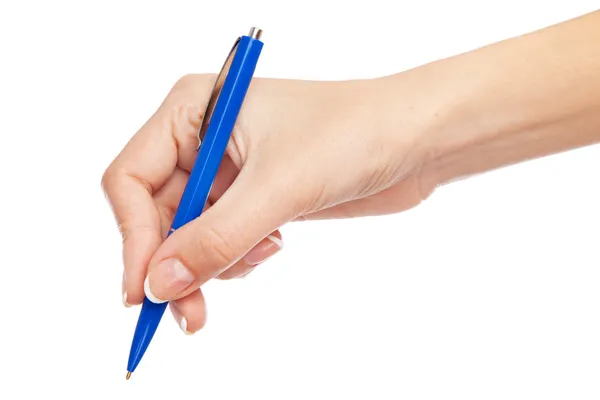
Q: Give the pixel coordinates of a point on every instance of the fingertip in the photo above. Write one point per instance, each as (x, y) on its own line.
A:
(189, 312)
(265, 249)
(126, 298)
(125, 302)
(137, 252)
(133, 295)
(277, 235)
(148, 292)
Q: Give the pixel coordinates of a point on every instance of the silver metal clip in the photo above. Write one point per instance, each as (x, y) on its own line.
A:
(255, 33)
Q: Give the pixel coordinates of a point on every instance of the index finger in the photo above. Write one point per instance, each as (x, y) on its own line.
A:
(140, 170)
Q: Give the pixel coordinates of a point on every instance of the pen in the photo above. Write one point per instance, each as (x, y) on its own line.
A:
(215, 131)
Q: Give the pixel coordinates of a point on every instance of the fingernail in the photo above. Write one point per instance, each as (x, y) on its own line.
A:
(278, 242)
(125, 303)
(181, 320)
(124, 291)
(169, 278)
(245, 274)
(183, 326)
(149, 293)
(265, 250)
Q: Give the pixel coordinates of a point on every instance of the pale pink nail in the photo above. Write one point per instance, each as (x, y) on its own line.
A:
(169, 278)
(264, 250)
(181, 320)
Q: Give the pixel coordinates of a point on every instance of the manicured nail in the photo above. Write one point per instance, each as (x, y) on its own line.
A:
(169, 278)
(276, 240)
(125, 303)
(183, 326)
(264, 250)
(245, 274)
(149, 293)
(181, 320)
(124, 291)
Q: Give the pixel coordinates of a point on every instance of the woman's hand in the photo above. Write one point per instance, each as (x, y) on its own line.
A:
(300, 150)
(311, 150)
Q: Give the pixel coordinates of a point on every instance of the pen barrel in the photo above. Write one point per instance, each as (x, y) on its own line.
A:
(210, 155)
(219, 130)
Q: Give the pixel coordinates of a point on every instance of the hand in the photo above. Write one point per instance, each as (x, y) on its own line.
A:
(301, 150)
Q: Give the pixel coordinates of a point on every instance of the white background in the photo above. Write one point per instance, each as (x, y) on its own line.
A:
(489, 290)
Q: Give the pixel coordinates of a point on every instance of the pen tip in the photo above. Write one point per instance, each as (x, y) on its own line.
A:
(128, 375)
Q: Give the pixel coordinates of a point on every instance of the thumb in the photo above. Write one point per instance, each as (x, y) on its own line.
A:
(247, 212)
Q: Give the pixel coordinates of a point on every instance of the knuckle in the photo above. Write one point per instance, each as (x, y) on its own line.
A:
(239, 146)
(107, 179)
(183, 108)
(189, 85)
(217, 245)
(124, 229)
(167, 212)
(127, 229)
(181, 93)
(185, 82)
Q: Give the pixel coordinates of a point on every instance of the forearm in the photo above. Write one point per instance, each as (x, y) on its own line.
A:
(516, 100)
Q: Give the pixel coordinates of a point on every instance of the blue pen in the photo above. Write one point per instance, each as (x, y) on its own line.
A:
(217, 124)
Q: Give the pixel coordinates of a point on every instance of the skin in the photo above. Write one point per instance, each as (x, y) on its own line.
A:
(304, 150)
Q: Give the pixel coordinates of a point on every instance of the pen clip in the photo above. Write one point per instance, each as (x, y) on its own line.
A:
(216, 92)
(255, 33)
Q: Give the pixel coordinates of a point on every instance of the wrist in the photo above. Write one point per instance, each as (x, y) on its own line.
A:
(402, 119)
(417, 119)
